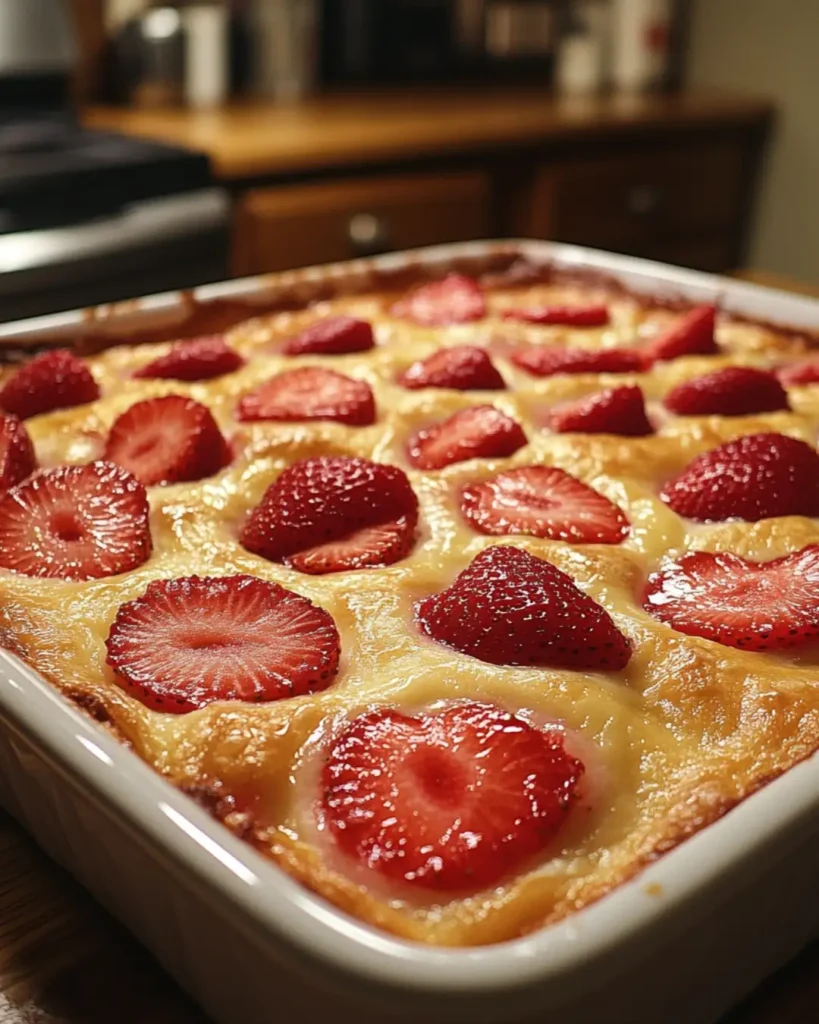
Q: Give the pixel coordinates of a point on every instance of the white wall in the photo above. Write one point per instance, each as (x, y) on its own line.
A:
(771, 48)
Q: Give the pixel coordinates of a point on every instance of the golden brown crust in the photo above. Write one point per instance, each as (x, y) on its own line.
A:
(685, 732)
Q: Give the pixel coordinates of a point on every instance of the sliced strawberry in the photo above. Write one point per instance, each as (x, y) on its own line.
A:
(731, 391)
(568, 316)
(168, 440)
(53, 380)
(332, 336)
(448, 800)
(510, 608)
(189, 642)
(692, 336)
(618, 411)
(197, 359)
(804, 372)
(543, 501)
(755, 477)
(75, 523)
(756, 606)
(480, 432)
(332, 514)
(310, 393)
(17, 457)
(456, 299)
(464, 368)
(551, 360)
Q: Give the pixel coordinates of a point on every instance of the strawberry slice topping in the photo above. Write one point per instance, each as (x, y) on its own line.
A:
(189, 642)
(755, 477)
(464, 368)
(510, 608)
(804, 372)
(310, 393)
(480, 432)
(551, 360)
(17, 457)
(543, 501)
(568, 316)
(75, 523)
(456, 299)
(692, 336)
(731, 391)
(756, 606)
(449, 800)
(53, 380)
(332, 336)
(333, 514)
(197, 359)
(168, 440)
(618, 411)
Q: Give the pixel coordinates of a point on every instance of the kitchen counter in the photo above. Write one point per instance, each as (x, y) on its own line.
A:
(258, 139)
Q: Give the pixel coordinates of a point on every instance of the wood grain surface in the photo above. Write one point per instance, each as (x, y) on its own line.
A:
(262, 138)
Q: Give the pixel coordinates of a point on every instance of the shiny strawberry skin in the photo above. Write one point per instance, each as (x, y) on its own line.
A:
(449, 800)
(186, 643)
(510, 608)
(479, 432)
(804, 372)
(197, 359)
(753, 606)
(567, 316)
(457, 299)
(53, 380)
(758, 476)
(731, 391)
(168, 440)
(619, 411)
(75, 523)
(310, 393)
(463, 368)
(693, 335)
(552, 360)
(17, 457)
(333, 514)
(334, 335)
(546, 502)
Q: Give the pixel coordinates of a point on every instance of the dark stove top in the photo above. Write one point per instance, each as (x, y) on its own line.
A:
(53, 172)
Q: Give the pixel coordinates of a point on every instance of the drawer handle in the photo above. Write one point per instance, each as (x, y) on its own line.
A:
(367, 234)
(644, 200)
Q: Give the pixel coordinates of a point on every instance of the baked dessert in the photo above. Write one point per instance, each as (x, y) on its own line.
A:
(462, 600)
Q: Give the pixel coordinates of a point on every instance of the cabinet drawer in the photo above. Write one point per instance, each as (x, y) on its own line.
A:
(627, 201)
(295, 226)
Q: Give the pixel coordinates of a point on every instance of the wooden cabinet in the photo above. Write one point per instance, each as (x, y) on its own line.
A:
(681, 203)
(668, 177)
(292, 226)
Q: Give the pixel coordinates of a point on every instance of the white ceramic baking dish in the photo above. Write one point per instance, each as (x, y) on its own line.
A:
(681, 943)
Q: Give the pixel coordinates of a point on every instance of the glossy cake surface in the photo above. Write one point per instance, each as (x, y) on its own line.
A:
(670, 741)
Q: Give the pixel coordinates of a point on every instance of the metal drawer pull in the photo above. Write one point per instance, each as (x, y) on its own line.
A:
(367, 234)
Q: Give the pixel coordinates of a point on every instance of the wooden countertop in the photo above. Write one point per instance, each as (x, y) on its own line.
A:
(263, 139)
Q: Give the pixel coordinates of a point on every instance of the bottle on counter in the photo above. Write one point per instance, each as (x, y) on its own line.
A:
(582, 56)
(207, 42)
(286, 47)
(641, 42)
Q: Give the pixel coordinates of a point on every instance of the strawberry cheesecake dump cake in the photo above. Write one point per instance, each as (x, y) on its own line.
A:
(459, 599)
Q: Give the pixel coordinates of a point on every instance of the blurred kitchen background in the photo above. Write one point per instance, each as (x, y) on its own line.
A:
(151, 146)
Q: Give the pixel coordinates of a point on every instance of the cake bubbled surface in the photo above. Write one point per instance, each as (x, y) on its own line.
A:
(347, 497)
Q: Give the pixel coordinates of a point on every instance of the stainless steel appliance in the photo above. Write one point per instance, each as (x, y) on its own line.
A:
(89, 217)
